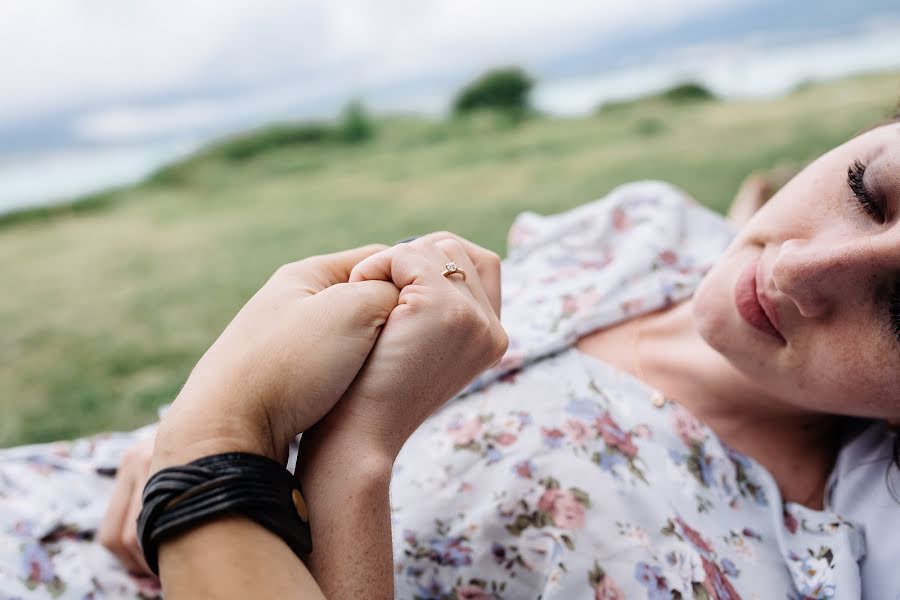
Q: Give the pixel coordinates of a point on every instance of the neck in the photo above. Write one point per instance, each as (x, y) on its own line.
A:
(797, 447)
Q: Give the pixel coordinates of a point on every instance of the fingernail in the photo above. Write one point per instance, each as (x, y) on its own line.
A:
(406, 239)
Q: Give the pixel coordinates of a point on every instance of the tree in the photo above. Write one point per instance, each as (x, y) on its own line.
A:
(355, 125)
(505, 89)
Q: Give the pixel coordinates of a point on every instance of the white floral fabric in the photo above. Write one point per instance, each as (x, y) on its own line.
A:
(553, 476)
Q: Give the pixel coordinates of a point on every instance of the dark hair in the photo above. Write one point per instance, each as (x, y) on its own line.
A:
(895, 119)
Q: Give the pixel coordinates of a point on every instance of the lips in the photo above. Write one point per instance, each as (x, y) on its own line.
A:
(753, 306)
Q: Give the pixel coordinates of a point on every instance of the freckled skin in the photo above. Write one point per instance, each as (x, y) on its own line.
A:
(830, 270)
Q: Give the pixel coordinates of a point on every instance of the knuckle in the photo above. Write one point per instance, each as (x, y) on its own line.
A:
(451, 245)
(491, 259)
(285, 271)
(298, 267)
(500, 341)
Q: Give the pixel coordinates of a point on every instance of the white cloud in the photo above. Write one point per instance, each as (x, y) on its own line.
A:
(148, 66)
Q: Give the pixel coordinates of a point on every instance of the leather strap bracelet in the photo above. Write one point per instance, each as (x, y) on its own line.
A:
(236, 483)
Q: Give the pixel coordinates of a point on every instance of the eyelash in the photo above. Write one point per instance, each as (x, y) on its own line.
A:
(868, 204)
(864, 198)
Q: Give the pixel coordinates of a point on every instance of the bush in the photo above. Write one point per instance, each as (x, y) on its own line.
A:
(355, 125)
(246, 146)
(687, 92)
(504, 89)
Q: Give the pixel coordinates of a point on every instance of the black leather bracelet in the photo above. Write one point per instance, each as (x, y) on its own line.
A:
(236, 483)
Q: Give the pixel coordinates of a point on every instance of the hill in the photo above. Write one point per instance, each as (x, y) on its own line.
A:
(109, 302)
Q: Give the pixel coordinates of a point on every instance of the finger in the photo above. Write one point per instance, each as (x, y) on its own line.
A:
(404, 265)
(316, 273)
(487, 264)
(441, 259)
(359, 308)
(129, 533)
(456, 253)
(110, 532)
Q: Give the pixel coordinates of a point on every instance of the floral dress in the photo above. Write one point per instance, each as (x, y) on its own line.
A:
(553, 475)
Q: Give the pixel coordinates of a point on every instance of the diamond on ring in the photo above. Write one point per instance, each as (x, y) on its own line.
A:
(451, 268)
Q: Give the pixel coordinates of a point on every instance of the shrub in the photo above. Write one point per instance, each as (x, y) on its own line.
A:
(355, 125)
(504, 89)
(687, 92)
(248, 145)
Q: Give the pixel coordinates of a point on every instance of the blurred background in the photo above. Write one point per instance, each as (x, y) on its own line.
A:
(158, 162)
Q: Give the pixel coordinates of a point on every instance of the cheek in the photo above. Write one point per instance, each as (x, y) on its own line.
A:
(847, 372)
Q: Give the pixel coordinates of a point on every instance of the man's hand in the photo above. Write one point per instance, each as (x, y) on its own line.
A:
(281, 364)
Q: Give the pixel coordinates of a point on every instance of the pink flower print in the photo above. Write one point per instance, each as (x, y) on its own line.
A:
(465, 432)
(562, 506)
(608, 590)
(620, 220)
(577, 430)
(790, 521)
(465, 487)
(716, 584)
(36, 564)
(632, 307)
(642, 431)
(505, 438)
(614, 437)
(471, 592)
(699, 544)
(524, 469)
(688, 428)
(667, 257)
(580, 303)
(553, 437)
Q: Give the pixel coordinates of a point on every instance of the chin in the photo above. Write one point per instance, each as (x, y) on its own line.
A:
(710, 306)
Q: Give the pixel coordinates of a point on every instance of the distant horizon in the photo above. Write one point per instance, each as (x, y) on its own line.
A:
(748, 68)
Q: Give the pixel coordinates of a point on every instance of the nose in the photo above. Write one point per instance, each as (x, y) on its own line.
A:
(815, 274)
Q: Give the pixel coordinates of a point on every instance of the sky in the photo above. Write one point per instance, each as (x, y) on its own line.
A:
(81, 73)
(113, 70)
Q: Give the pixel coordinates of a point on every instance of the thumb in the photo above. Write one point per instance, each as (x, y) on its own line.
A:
(319, 272)
(357, 309)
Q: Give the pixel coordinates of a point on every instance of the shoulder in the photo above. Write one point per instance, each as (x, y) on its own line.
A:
(632, 208)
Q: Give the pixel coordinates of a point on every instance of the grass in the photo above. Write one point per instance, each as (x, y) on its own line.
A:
(107, 303)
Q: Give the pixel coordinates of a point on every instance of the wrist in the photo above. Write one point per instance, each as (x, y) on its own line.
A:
(194, 428)
(331, 463)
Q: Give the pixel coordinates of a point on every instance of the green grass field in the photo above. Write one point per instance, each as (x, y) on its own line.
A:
(107, 304)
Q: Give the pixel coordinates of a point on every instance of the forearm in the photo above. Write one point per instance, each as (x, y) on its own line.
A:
(233, 558)
(230, 557)
(347, 492)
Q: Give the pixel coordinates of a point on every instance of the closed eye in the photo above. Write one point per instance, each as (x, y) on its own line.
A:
(864, 198)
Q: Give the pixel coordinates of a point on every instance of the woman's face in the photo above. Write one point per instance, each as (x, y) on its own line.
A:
(821, 263)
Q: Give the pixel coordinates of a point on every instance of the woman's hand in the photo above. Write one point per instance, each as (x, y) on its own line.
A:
(444, 331)
(281, 364)
(118, 531)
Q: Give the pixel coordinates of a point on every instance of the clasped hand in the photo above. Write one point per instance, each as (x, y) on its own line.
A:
(363, 344)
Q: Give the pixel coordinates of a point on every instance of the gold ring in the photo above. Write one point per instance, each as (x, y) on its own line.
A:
(451, 269)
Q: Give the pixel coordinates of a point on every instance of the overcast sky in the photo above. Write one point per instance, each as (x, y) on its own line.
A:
(119, 69)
